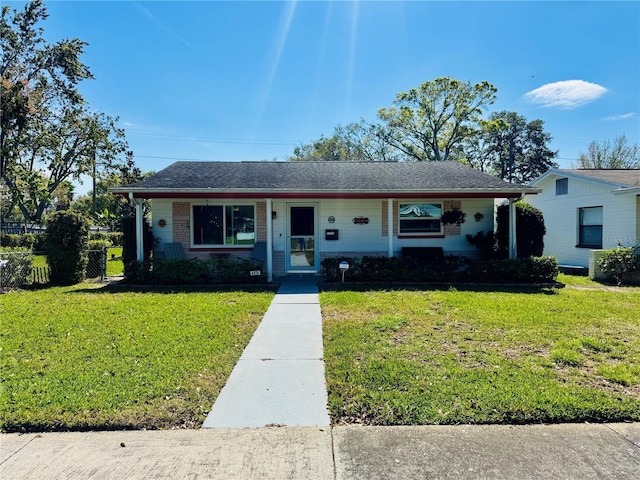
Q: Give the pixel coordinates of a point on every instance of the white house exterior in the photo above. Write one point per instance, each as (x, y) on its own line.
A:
(308, 211)
(587, 210)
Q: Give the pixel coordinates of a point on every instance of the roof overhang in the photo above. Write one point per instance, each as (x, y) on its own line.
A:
(322, 194)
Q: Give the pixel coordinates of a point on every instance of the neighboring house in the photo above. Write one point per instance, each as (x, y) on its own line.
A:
(308, 211)
(588, 210)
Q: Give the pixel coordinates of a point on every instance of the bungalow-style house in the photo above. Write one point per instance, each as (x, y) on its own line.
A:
(587, 210)
(307, 211)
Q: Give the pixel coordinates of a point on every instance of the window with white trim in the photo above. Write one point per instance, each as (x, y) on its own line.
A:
(420, 219)
(215, 225)
(590, 227)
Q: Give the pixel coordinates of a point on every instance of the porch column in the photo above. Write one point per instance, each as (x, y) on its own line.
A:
(139, 231)
(513, 252)
(390, 227)
(269, 241)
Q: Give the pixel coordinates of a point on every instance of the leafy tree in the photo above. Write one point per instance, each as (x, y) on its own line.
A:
(356, 142)
(48, 134)
(512, 148)
(66, 247)
(610, 155)
(530, 231)
(433, 121)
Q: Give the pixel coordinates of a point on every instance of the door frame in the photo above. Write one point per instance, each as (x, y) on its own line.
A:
(316, 254)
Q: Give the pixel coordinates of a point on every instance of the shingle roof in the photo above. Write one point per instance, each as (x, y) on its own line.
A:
(626, 178)
(322, 177)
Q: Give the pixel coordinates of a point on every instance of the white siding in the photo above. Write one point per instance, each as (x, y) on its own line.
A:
(620, 217)
(162, 209)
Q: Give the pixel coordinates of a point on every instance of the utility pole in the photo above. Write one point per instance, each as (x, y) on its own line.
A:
(94, 181)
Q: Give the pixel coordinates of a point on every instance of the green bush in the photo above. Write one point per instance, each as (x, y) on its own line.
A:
(128, 225)
(448, 269)
(10, 240)
(520, 270)
(530, 231)
(18, 268)
(31, 241)
(181, 272)
(485, 244)
(66, 247)
(616, 262)
(114, 238)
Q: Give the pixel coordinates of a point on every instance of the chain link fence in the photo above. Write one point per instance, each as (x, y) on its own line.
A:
(20, 269)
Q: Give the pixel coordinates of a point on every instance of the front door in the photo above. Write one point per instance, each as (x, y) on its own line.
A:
(301, 239)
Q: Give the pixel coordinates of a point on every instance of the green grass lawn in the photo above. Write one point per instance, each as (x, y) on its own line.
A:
(80, 357)
(412, 357)
(115, 267)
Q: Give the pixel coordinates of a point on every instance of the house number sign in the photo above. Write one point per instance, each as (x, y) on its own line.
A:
(361, 220)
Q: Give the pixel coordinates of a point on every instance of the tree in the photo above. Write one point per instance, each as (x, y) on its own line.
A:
(530, 231)
(356, 142)
(511, 148)
(616, 154)
(433, 121)
(48, 134)
(111, 209)
(66, 247)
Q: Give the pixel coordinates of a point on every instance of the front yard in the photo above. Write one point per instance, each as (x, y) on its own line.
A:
(82, 357)
(416, 357)
(87, 357)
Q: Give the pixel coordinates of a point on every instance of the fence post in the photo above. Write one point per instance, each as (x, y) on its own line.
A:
(103, 264)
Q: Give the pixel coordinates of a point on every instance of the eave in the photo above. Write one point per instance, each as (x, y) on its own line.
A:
(163, 193)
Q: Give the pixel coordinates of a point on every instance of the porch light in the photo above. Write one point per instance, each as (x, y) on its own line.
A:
(478, 216)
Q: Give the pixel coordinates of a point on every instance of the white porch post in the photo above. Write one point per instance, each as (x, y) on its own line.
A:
(269, 241)
(390, 227)
(139, 232)
(513, 252)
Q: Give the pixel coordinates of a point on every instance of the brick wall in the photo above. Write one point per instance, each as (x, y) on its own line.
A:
(181, 218)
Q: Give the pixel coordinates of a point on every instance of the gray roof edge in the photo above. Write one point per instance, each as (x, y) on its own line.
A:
(572, 174)
(266, 191)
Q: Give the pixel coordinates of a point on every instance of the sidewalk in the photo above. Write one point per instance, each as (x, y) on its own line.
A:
(571, 451)
(279, 379)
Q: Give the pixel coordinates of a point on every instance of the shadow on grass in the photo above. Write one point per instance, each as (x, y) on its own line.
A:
(169, 289)
(525, 288)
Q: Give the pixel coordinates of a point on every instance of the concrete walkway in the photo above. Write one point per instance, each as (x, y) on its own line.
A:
(279, 379)
(571, 451)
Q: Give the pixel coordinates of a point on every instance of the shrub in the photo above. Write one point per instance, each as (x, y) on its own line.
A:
(181, 272)
(10, 240)
(448, 269)
(525, 270)
(530, 231)
(114, 238)
(616, 262)
(18, 268)
(66, 247)
(129, 239)
(485, 244)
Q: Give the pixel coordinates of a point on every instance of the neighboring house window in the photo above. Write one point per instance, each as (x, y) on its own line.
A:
(562, 186)
(420, 218)
(590, 227)
(223, 224)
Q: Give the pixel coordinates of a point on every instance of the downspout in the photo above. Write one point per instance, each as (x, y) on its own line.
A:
(390, 227)
(269, 241)
(139, 234)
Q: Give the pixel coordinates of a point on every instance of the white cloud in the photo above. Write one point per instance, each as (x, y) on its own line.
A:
(625, 116)
(566, 94)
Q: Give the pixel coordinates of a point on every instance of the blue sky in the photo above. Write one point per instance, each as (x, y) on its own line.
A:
(239, 80)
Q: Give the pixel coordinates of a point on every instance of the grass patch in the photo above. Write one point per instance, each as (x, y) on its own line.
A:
(81, 358)
(115, 267)
(415, 357)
